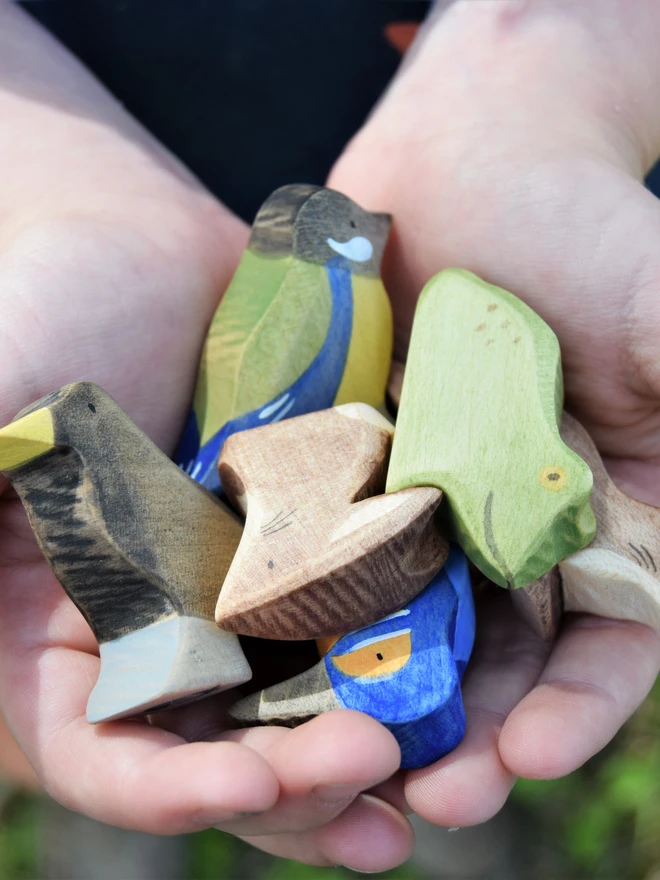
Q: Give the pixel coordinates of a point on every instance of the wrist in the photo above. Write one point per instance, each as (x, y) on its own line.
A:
(546, 74)
(594, 59)
(71, 154)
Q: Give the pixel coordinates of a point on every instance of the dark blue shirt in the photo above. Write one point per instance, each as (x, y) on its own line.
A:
(250, 94)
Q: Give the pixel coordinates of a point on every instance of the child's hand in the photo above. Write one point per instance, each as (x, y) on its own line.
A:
(112, 260)
(513, 143)
(500, 148)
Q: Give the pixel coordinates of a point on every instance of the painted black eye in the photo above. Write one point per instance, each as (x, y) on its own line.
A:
(92, 407)
(353, 224)
(379, 655)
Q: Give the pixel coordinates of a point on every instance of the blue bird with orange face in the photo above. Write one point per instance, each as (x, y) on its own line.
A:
(304, 325)
(405, 671)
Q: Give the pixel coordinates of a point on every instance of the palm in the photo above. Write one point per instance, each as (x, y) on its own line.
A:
(130, 317)
(574, 236)
(138, 335)
(49, 663)
(124, 300)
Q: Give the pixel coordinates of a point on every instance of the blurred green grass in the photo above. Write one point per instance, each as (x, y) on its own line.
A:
(604, 820)
(19, 837)
(212, 855)
(215, 855)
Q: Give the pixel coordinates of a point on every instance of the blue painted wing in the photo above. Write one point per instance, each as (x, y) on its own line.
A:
(457, 571)
(315, 389)
(420, 702)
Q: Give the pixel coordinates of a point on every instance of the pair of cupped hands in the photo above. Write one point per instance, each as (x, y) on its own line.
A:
(512, 143)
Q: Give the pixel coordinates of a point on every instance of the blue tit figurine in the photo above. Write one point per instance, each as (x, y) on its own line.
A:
(304, 325)
(405, 671)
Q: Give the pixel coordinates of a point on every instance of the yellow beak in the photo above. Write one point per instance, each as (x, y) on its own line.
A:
(26, 439)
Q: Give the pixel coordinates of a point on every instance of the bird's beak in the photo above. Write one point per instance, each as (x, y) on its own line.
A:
(290, 702)
(26, 438)
(383, 223)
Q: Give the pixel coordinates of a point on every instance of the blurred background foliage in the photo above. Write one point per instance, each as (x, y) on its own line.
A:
(601, 823)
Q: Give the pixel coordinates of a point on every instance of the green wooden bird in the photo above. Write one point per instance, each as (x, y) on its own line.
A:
(304, 325)
(479, 418)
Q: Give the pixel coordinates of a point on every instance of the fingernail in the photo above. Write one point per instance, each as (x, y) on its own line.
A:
(335, 794)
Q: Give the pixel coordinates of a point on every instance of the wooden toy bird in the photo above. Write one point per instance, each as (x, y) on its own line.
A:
(323, 550)
(480, 406)
(618, 574)
(304, 325)
(405, 671)
(140, 548)
(539, 604)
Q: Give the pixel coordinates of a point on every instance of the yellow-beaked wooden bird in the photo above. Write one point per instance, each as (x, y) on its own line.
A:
(140, 548)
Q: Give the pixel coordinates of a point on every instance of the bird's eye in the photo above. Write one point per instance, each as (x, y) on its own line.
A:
(92, 407)
(553, 478)
(376, 659)
(353, 224)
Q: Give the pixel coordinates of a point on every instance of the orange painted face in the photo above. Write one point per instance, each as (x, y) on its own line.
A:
(376, 658)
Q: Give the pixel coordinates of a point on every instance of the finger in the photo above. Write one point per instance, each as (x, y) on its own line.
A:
(599, 673)
(471, 784)
(128, 774)
(321, 767)
(370, 835)
(203, 720)
(392, 791)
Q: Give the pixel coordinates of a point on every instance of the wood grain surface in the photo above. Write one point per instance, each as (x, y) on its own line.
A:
(540, 604)
(405, 670)
(320, 555)
(617, 575)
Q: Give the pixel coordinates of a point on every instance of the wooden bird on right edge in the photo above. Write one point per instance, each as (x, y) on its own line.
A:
(618, 574)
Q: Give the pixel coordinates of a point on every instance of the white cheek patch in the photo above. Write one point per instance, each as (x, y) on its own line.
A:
(359, 249)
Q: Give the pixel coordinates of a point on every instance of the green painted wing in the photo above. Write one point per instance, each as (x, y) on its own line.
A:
(266, 331)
